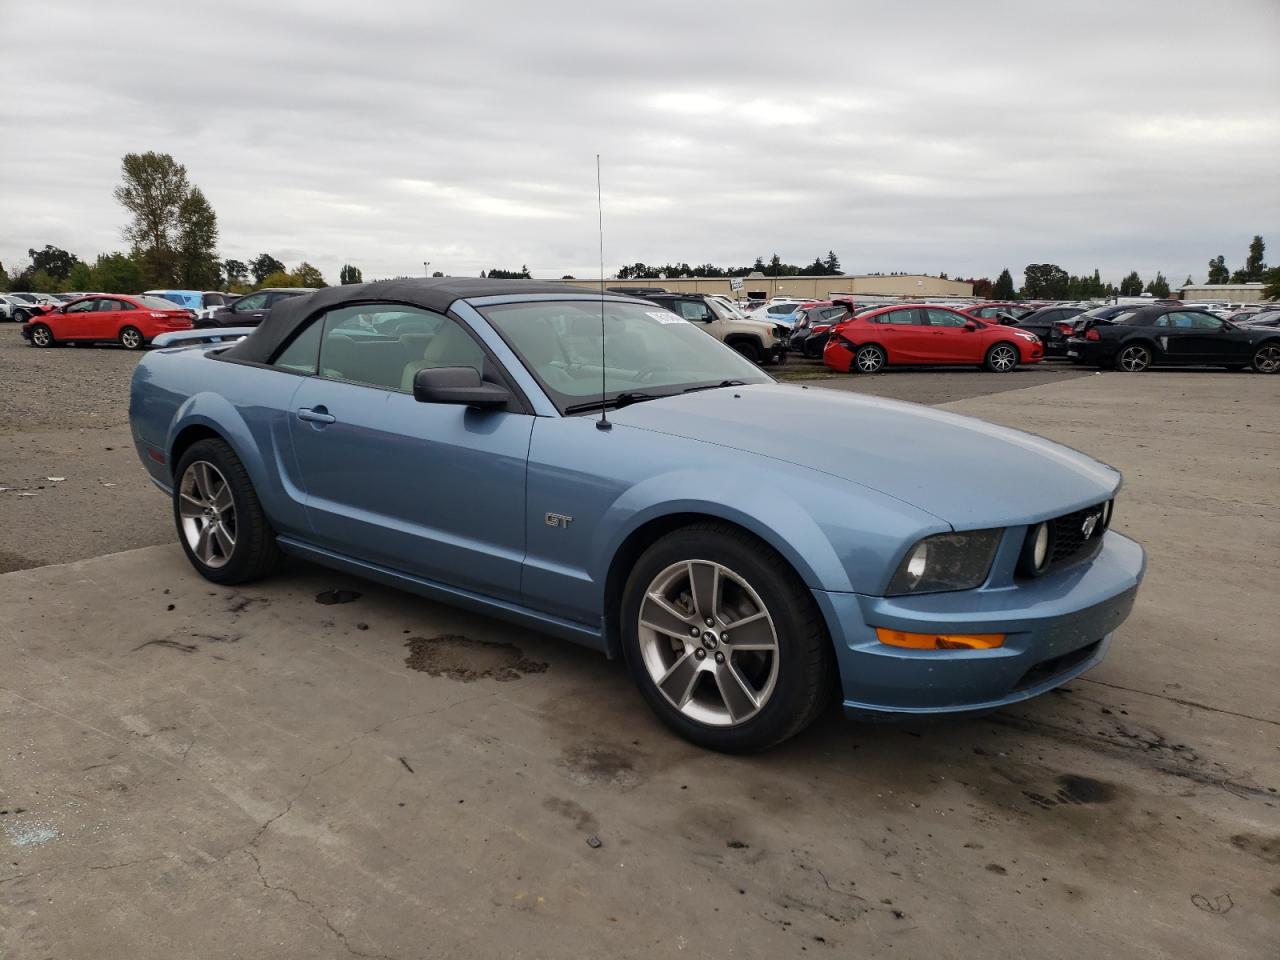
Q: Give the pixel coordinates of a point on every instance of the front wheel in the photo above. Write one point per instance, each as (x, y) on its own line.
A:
(747, 349)
(1134, 358)
(41, 336)
(1001, 358)
(131, 338)
(868, 359)
(724, 641)
(221, 524)
(1266, 359)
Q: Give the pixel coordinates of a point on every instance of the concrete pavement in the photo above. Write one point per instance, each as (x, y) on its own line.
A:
(194, 771)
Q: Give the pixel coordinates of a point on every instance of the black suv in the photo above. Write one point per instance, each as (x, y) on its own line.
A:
(251, 309)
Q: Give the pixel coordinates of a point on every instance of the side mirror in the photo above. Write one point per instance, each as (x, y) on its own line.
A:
(458, 385)
(970, 325)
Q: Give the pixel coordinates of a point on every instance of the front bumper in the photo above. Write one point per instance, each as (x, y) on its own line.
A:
(1056, 628)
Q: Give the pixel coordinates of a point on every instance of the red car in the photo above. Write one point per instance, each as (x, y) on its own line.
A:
(131, 322)
(918, 334)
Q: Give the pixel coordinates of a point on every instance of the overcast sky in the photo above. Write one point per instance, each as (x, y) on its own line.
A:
(914, 136)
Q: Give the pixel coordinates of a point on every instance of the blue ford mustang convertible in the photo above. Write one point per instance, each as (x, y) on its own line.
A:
(603, 470)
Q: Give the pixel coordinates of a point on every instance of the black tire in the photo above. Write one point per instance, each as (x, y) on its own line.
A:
(1133, 358)
(747, 349)
(869, 358)
(805, 659)
(42, 336)
(1266, 359)
(255, 553)
(1001, 357)
(131, 338)
(21, 316)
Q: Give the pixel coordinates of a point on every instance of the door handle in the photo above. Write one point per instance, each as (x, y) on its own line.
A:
(316, 415)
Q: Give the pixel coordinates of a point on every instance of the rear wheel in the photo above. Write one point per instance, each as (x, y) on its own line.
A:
(723, 639)
(868, 359)
(1266, 359)
(21, 316)
(1001, 358)
(131, 338)
(221, 525)
(41, 336)
(1134, 358)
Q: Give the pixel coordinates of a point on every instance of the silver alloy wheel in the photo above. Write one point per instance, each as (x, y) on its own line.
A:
(708, 643)
(1003, 358)
(130, 339)
(869, 359)
(41, 336)
(1267, 359)
(208, 513)
(1134, 358)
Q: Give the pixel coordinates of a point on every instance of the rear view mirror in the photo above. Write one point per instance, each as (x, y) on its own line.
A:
(970, 325)
(458, 385)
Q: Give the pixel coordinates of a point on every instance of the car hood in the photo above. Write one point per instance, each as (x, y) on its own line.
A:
(967, 472)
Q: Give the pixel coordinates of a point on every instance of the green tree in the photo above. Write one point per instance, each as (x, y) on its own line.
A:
(349, 274)
(308, 276)
(1218, 272)
(81, 277)
(815, 269)
(1045, 281)
(832, 263)
(1254, 265)
(437, 273)
(1003, 288)
(153, 190)
(521, 274)
(263, 265)
(281, 278)
(198, 266)
(54, 261)
(1271, 284)
(1159, 287)
(4, 280)
(1131, 286)
(117, 273)
(236, 272)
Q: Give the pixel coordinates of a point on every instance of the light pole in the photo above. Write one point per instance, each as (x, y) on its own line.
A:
(426, 268)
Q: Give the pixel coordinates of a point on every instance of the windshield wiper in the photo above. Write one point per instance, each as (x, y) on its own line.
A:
(715, 386)
(621, 400)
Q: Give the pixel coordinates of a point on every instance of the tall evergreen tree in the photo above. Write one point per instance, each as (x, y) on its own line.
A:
(832, 263)
(198, 265)
(349, 274)
(1159, 287)
(1131, 286)
(1003, 288)
(1254, 265)
(1218, 272)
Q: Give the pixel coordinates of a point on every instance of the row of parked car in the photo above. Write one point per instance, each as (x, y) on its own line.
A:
(133, 320)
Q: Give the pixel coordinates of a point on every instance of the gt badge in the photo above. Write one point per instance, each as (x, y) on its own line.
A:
(557, 520)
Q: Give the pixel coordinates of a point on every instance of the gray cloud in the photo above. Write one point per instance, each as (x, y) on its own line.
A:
(906, 136)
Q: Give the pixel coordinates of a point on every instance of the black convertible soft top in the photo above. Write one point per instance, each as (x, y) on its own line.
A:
(436, 294)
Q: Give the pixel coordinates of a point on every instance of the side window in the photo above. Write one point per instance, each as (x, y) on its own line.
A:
(694, 310)
(1202, 321)
(903, 317)
(834, 313)
(944, 318)
(84, 306)
(254, 301)
(302, 354)
(385, 345)
(117, 305)
(1164, 320)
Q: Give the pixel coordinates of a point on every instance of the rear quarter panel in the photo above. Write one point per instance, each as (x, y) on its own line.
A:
(178, 388)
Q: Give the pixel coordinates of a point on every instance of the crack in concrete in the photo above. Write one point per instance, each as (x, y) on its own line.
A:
(128, 863)
(1181, 702)
(309, 904)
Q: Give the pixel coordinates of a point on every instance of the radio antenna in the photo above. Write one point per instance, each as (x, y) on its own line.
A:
(603, 423)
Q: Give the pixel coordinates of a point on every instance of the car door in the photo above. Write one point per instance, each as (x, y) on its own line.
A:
(904, 334)
(1178, 339)
(434, 490)
(114, 315)
(950, 341)
(75, 321)
(249, 311)
(1201, 338)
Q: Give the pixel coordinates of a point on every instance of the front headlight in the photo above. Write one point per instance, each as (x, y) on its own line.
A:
(947, 561)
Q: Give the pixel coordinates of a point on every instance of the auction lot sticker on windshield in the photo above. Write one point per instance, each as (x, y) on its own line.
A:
(663, 316)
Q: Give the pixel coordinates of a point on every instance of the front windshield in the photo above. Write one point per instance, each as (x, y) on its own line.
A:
(646, 350)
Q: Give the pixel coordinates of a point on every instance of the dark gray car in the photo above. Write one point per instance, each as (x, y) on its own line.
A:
(252, 309)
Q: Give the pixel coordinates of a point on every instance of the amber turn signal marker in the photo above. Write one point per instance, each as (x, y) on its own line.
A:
(940, 641)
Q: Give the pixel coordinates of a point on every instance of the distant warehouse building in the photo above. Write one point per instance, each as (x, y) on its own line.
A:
(1230, 292)
(759, 286)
